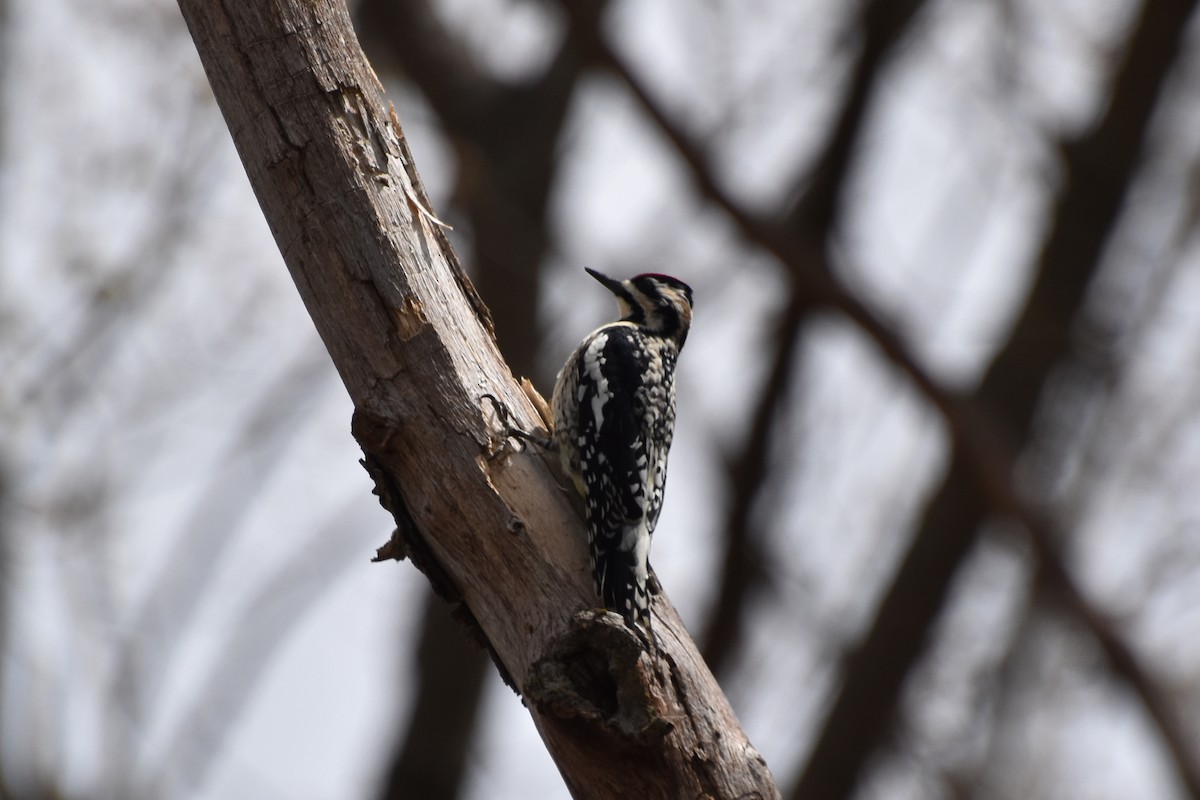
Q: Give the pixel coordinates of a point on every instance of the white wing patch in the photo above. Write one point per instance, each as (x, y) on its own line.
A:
(636, 539)
(593, 359)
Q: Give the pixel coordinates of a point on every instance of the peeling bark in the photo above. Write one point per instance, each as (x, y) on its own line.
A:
(415, 349)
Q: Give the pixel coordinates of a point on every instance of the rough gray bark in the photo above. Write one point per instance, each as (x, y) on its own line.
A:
(415, 349)
(506, 137)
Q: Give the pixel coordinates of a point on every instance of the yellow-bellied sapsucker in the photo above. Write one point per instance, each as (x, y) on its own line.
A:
(614, 418)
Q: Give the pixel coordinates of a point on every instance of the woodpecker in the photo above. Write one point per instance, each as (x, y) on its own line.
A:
(614, 418)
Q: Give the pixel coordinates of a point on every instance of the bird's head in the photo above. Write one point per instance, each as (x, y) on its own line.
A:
(659, 304)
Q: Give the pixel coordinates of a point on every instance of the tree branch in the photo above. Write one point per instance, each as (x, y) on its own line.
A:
(504, 138)
(415, 350)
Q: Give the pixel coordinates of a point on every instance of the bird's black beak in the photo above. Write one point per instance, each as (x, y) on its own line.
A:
(615, 287)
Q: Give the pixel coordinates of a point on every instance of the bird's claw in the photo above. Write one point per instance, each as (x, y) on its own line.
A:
(510, 432)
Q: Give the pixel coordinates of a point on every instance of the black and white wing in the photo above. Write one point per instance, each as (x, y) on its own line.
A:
(614, 435)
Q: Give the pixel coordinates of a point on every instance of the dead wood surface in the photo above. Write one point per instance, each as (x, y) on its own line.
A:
(414, 347)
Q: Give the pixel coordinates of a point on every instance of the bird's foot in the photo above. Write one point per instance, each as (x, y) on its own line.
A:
(511, 432)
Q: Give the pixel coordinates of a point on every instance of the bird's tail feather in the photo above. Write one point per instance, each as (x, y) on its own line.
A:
(620, 589)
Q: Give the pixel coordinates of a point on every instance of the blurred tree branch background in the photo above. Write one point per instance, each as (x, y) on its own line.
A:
(1004, 193)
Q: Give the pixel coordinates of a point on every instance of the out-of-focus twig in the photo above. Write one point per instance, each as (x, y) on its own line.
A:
(279, 606)
(882, 23)
(980, 479)
(178, 593)
(432, 757)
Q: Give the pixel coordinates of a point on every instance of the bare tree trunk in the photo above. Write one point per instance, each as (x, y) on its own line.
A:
(508, 161)
(415, 349)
